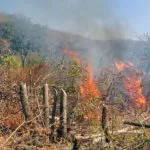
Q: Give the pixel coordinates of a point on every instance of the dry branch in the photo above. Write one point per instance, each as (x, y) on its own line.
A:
(137, 124)
(11, 135)
(23, 123)
(99, 137)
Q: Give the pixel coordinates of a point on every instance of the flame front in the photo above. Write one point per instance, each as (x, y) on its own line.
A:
(133, 84)
(88, 88)
(122, 66)
(134, 87)
(72, 55)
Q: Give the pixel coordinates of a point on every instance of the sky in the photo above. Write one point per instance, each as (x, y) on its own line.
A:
(90, 18)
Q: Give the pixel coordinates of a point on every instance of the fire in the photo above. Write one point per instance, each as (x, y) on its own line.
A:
(132, 83)
(134, 87)
(72, 55)
(122, 66)
(88, 88)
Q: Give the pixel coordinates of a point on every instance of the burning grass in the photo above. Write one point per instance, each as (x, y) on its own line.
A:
(132, 83)
(86, 100)
(88, 87)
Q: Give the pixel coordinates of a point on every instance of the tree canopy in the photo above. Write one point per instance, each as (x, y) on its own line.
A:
(23, 35)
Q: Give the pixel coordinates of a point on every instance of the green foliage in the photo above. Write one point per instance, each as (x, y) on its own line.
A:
(12, 62)
(69, 73)
(34, 60)
(1, 60)
(6, 30)
(28, 36)
(24, 36)
(75, 70)
(74, 73)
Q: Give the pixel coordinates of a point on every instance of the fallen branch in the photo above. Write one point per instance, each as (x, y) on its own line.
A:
(13, 133)
(137, 124)
(98, 137)
(23, 123)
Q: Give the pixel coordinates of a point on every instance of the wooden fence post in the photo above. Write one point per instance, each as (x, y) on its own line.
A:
(30, 73)
(54, 113)
(76, 144)
(105, 125)
(104, 118)
(24, 101)
(63, 113)
(46, 111)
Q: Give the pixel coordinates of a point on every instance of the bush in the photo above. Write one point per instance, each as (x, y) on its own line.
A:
(12, 62)
(33, 60)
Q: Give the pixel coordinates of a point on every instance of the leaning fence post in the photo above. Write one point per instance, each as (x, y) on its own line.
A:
(76, 144)
(63, 113)
(24, 101)
(46, 111)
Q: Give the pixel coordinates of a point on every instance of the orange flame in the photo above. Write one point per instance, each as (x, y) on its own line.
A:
(88, 88)
(132, 84)
(122, 66)
(134, 88)
(72, 55)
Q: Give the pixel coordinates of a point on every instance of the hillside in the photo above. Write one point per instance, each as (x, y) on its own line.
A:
(60, 91)
(22, 33)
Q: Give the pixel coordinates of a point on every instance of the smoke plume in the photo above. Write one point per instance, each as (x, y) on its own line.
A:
(95, 20)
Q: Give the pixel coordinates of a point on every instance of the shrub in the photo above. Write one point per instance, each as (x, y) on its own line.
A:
(12, 62)
(33, 60)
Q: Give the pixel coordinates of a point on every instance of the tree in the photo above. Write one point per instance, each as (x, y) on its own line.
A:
(34, 59)
(24, 36)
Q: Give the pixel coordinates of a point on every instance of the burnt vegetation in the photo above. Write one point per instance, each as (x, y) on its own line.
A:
(50, 98)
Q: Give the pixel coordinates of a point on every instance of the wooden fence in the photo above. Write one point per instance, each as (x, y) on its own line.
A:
(59, 96)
